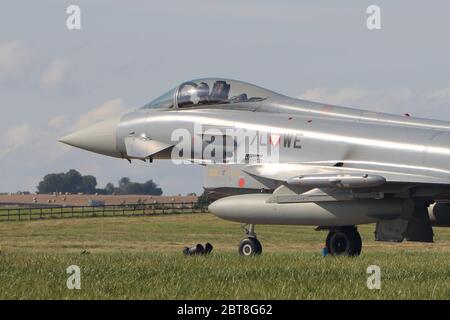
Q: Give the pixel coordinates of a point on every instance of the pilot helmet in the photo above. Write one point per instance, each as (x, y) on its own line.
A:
(202, 90)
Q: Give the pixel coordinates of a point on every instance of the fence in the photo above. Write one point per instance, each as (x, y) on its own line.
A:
(35, 213)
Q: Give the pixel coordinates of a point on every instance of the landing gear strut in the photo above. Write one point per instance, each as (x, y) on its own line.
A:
(250, 246)
(344, 241)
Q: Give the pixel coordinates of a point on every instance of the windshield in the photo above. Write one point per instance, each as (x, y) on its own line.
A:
(219, 91)
(165, 101)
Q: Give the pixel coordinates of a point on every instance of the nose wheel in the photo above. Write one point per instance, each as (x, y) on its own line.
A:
(250, 246)
(344, 241)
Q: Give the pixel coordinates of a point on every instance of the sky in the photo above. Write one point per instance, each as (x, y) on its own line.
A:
(54, 80)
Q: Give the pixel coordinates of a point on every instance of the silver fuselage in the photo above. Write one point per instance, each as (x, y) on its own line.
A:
(410, 156)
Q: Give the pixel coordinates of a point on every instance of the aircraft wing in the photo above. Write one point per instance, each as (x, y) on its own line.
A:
(346, 174)
(331, 175)
(312, 182)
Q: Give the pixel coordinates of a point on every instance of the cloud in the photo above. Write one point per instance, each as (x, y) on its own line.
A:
(109, 109)
(14, 57)
(442, 95)
(283, 12)
(57, 121)
(342, 96)
(15, 138)
(18, 135)
(54, 75)
(25, 138)
(379, 100)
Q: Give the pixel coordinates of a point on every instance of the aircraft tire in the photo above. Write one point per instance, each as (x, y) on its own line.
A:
(344, 241)
(250, 247)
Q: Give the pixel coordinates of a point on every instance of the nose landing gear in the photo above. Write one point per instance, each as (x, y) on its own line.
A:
(250, 246)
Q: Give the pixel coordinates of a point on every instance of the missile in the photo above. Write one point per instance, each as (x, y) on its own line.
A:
(346, 181)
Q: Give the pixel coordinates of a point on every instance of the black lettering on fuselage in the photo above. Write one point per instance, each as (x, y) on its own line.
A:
(291, 140)
(297, 142)
(287, 139)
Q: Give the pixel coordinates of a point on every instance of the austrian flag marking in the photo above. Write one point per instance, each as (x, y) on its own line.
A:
(275, 139)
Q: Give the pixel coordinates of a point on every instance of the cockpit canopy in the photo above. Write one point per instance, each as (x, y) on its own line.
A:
(210, 91)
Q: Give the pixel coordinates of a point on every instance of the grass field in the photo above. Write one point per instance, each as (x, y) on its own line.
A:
(140, 257)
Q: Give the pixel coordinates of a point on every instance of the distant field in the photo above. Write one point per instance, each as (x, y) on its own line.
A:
(140, 257)
(83, 199)
(8, 214)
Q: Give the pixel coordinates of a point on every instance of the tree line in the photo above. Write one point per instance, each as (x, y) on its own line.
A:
(74, 182)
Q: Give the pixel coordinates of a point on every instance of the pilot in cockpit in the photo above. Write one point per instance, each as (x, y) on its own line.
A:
(199, 93)
(184, 97)
(203, 93)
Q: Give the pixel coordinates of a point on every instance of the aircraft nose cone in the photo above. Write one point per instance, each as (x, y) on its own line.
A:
(99, 138)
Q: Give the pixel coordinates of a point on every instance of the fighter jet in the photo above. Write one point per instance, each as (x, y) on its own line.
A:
(272, 159)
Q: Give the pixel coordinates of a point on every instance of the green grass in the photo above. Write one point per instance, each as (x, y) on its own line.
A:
(140, 257)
